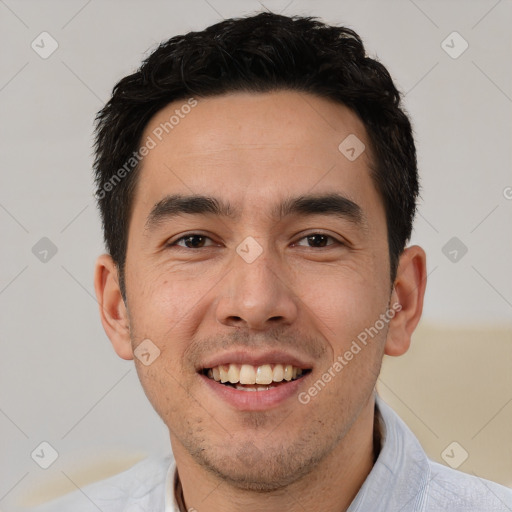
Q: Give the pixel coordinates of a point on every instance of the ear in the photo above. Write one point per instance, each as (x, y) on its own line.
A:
(408, 291)
(113, 312)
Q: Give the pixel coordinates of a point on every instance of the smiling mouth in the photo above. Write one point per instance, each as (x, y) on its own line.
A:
(246, 377)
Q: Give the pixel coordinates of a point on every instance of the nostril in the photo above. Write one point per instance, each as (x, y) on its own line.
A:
(234, 320)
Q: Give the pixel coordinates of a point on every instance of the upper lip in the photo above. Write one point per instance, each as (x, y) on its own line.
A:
(255, 358)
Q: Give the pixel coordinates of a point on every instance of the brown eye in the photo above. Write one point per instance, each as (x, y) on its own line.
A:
(192, 241)
(318, 240)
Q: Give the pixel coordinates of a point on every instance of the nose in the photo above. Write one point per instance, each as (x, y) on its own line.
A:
(257, 295)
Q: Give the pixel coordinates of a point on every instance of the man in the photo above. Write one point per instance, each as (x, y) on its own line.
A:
(257, 183)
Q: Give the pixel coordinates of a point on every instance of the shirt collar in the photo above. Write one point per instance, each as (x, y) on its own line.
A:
(400, 477)
(171, 504)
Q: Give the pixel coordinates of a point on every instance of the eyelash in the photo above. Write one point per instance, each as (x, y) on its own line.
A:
(191, 235)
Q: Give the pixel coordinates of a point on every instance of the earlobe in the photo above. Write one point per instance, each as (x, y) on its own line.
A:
(113, 312)
(408, 291)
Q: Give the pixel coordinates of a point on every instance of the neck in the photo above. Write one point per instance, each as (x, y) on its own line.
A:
(331, 486)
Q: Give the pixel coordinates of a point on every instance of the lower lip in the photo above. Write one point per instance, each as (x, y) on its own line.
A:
(254, 400)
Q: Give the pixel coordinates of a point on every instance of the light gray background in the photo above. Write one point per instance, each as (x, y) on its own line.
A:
(60, 380)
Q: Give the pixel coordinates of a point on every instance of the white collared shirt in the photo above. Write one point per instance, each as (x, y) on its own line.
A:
(403, 479)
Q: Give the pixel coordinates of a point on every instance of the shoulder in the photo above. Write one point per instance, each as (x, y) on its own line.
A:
(413, 481)
(464, 492)
(143, 484)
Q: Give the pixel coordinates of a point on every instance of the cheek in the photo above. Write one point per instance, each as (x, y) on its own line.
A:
(165, 390)
(158, 312)
(167, 309)
(163, 302)
(344, 302)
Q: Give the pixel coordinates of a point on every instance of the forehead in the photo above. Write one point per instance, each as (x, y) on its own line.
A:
(252, 148)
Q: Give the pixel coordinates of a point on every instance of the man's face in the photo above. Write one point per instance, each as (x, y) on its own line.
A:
(258, 288)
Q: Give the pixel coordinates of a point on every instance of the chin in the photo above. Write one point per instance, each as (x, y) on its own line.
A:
(252, 469)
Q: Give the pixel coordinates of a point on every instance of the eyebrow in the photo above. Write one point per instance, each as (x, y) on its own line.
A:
(333, 204)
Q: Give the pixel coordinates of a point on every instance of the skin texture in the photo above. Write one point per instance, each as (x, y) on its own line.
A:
(309, 299)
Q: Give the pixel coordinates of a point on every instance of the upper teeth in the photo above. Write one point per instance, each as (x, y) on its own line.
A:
(249, 374)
